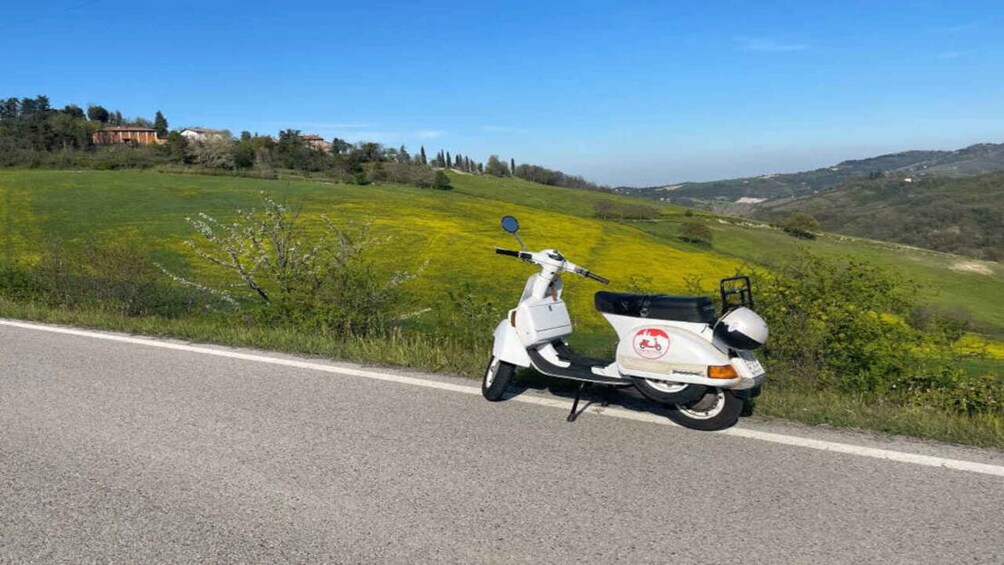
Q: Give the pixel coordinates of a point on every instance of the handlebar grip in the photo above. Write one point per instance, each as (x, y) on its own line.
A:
(598, 278)
(509, 252)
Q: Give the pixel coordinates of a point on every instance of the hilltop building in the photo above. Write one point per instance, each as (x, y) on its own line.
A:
(119, 135)
(201, 134)
(316, 141)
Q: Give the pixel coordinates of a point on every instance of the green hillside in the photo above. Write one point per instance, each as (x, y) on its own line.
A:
(455, 232)
(957, 215)
(973, 160)
(956, 283)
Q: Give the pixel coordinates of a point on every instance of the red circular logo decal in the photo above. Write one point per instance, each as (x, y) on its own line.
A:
(651, 343)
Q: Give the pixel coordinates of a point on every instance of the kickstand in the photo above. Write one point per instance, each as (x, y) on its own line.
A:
(608, 392)
(575, 404)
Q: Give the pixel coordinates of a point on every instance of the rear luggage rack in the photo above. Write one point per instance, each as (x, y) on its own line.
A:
(736, 292)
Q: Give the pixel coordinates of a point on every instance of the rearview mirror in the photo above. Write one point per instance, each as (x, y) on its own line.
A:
(510, 224)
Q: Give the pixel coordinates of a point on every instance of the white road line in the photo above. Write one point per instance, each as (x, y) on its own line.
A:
(850, 449)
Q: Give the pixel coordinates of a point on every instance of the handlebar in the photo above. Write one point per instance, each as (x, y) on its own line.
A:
(588, 275)
(571, 267)
(519, 254)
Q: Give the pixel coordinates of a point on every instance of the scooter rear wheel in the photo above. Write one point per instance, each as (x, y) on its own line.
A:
(716, 410)
(668, 393)
(496, 379)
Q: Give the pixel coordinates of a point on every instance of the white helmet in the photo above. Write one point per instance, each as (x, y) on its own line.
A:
(741, 328)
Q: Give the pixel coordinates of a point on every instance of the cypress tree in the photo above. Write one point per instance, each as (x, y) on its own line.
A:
(449, 163)
(160, 124)
(512, 166)
(421, 156)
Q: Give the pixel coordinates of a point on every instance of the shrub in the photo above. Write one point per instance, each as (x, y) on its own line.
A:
(842, 325)
(695, 231)
(323, 282)
(442, 181)
(802, 225)
(613, 210)
(109, 277)
(469, 320)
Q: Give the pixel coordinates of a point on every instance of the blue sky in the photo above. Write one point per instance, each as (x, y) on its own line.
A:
(620, 92)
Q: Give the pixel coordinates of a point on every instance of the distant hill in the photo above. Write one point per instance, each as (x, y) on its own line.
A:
(973, 160)
(956, 215)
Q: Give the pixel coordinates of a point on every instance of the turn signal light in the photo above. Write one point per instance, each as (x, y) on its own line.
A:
(722, 372)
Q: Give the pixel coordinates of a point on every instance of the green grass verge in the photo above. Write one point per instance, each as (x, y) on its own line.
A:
(858, 412)
(413, 350)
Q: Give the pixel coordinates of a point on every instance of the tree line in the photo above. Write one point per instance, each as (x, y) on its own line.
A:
(33, 133)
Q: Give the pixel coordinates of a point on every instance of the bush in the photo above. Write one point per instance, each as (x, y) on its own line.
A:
(842, 325)
(695, 231)
(802, 225)
(442, 181)
(613, 210)
(323, 281)
(469, 320)
(110, 277)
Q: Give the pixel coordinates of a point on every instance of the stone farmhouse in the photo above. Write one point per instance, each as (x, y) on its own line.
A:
(119, 135)
(316, 141)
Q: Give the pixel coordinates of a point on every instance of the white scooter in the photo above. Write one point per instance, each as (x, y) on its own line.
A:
(676, 350)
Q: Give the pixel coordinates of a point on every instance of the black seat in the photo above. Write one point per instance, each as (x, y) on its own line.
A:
(698, 309)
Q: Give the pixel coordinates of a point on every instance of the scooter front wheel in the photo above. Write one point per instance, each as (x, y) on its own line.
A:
(496, 379)
(716, 410)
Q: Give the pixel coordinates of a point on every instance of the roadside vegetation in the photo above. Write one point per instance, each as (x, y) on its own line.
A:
(416, 284)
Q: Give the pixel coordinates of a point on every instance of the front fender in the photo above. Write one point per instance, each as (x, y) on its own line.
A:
(508, 347)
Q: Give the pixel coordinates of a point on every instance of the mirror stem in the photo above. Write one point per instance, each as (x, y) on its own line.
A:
(514, 234)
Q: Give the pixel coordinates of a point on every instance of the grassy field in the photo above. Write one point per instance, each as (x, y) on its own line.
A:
(451, 233)
(953, 282)
(957, 284)
(449, 236)
(455, 231)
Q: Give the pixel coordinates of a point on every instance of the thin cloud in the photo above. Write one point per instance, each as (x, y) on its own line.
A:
(429, 133)
(948, 55)
(392, 136)
(958, 28)
(768, 45)
(374, 135)
(501, 129)
(324, 125)
(349, 126)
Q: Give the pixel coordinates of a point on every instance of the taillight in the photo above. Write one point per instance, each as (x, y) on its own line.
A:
(722, 372)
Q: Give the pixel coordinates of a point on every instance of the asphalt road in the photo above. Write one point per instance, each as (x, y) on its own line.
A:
(123, 452)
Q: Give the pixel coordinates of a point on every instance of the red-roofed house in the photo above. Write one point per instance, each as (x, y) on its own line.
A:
(118, 135)
(316, 141)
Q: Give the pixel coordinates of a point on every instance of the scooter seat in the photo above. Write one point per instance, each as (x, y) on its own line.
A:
(697, 309)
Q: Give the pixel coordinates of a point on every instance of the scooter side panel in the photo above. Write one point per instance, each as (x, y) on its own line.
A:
(508, 346)
(656, 347)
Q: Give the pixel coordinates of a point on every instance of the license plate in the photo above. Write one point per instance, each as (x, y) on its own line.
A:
(754, 366)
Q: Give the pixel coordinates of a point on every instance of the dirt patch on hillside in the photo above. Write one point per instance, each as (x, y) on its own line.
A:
(972, 267)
